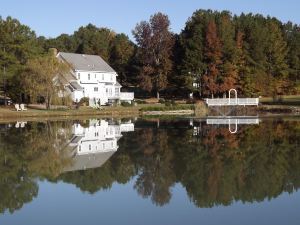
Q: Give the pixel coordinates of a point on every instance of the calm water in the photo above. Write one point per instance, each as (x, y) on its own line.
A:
(150, 172)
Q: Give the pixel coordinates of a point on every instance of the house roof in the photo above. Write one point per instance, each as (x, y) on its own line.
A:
(86, 62)
(118, 84)
(88, 161)
(76, 86)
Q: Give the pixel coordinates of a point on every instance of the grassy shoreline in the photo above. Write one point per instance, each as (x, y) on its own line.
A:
(134, 111)
(6, 113)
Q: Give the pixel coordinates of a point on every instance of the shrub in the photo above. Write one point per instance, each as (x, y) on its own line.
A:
(161, 100)
(170, 103)
(84, 101)
(168, 108)
(126, 104)
(138, 101)
(190, 101)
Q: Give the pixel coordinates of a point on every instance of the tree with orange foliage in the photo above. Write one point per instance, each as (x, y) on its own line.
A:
(213, 56)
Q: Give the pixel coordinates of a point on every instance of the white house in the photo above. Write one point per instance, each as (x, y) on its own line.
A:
(92, 146)
(92, 77)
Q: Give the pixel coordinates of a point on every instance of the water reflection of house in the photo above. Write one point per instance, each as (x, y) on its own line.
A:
(91, 146)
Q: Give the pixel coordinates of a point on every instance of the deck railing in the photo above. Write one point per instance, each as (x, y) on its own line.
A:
(233, 121)
(126, 96)
(232, 101)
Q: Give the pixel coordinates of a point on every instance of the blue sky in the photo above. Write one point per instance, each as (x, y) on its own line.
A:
(53, 17)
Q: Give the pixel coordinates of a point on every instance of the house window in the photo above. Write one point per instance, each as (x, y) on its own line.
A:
(78, 75)
(95, 89)
(117, 90)
(89, 76)
(95, 76)
(102, 76)
(90, 147)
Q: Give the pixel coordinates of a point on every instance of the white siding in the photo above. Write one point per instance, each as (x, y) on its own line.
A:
(95, 77)
(100, 136)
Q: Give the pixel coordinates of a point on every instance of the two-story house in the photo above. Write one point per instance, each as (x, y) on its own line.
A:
(92, 77)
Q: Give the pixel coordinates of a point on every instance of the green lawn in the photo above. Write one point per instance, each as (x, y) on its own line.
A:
(11, 113)
(292, 100)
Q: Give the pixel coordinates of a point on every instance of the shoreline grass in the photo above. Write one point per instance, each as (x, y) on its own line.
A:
(268, 105)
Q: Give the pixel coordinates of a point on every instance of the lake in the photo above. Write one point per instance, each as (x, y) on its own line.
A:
(150, 171)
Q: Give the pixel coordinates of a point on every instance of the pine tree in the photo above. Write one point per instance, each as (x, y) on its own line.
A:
(121, 54)
(276, 52)
(229, 73)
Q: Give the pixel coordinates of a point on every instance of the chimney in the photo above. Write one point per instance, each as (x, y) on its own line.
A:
(53, 51)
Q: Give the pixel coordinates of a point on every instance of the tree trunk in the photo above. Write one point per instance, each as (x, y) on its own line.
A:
(157, 95)
(48, 102)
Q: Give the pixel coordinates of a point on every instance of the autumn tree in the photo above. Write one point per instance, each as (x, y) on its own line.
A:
(39, 77)
(155, 43)
(213, 56)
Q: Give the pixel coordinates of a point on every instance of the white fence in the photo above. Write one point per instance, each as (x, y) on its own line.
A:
(126, 96)
(233, 121)
(232, 101)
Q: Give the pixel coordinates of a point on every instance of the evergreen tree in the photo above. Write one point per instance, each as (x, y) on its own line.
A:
(121, 55)
(18, 43)
(276, 52)
(229, 73)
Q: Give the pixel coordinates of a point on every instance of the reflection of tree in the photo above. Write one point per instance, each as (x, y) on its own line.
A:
(155, 165)
(260, 162)
(25, 154)
(260, 165)
(15, 192)
(218, 168)
(118, 169)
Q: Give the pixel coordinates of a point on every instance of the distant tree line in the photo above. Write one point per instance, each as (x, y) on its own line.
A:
(214, 52)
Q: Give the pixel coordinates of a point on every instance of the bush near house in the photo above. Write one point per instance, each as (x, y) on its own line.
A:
(126, 104)
(84, 101)
(168, 108)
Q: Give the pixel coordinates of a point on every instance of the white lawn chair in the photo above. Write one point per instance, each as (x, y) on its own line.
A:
(22, 124)
(17, 107)
(22, 106)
